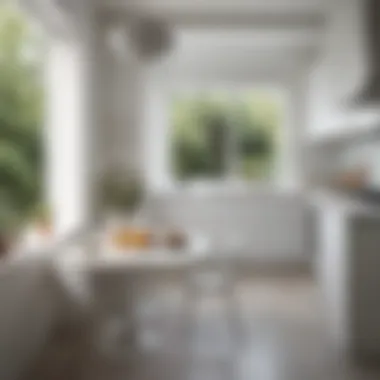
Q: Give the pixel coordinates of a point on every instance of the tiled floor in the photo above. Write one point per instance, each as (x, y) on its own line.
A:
(281, 337)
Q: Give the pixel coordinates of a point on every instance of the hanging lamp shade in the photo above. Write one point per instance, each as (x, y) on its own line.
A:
(150, 38)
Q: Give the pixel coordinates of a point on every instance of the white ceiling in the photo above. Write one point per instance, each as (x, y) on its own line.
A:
(237, 55)
(201, 40)
(223, 36)
(235, 31)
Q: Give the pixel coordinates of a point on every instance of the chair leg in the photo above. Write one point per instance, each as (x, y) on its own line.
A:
(114, 337)
(116, 328)
(190, 303)
(235, 325)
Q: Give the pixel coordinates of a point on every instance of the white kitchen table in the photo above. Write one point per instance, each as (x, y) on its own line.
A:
(117, 279)
(116, 282)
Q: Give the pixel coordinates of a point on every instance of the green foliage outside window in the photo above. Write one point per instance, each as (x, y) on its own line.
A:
(214, 136)
(21, 99)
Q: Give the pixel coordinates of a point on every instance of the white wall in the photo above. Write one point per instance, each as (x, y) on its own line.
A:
(262, 224)
(156, 152)
(271, 221)
(291, 89)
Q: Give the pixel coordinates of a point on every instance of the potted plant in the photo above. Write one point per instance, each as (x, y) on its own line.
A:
(42, 220)
(122, 197)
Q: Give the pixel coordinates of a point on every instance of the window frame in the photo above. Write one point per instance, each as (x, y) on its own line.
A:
(231, 180)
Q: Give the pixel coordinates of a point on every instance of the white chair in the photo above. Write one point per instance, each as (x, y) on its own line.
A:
(116, 287)
(215, 275)
(115, 322)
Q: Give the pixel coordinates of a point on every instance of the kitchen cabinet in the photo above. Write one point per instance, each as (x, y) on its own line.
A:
(365, 285)
(346, 52)
(347, 268)
(340, 73)
(332, 269)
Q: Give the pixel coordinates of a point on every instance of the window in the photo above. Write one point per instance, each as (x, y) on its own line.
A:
(219, 135)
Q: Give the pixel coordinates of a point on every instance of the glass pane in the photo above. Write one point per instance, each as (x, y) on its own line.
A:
(256, 119)
(200, 136)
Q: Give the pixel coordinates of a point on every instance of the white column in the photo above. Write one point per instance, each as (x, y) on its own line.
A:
(291, 168)
(65, 157)
(156, 138)
(126, 110)
(72, 125)
(130, 106)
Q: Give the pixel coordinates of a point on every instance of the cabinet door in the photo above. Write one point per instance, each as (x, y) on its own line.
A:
(365, 286)
(346, 51)
(341, 72)
(348, 69)
(332, 272)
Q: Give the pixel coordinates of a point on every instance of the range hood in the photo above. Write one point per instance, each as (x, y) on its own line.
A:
(369, 93)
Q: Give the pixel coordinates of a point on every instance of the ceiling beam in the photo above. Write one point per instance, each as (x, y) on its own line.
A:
(250, 6)
(261, 21)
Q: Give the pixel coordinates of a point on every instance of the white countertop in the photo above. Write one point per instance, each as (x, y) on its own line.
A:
(352, 206)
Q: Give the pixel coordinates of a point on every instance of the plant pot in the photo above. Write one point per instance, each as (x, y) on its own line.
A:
(4, 246)
(44, 229)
